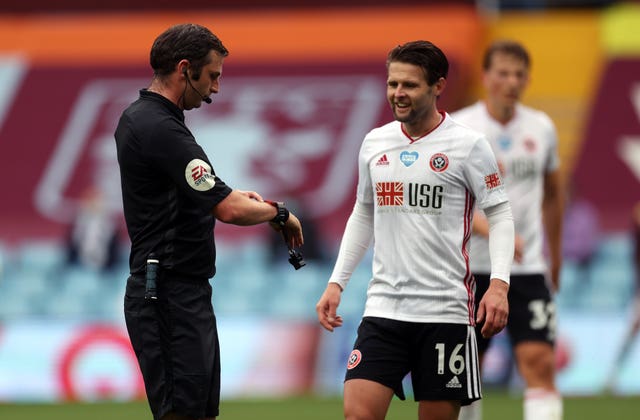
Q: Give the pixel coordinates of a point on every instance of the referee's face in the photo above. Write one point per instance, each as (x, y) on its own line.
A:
(207, 84)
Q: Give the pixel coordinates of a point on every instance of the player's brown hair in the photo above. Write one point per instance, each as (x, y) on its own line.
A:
(423, 54)
(508, 47)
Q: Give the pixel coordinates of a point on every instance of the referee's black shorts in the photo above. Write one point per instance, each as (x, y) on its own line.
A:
(176, 341)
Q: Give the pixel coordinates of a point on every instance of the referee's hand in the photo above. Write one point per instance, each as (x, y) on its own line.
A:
(493, 309)
(292, 231)
(327, 307)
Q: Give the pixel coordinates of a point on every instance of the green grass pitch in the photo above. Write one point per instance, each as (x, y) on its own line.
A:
(497, 406)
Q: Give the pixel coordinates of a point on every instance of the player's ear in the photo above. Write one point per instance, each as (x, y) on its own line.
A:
(439, 86)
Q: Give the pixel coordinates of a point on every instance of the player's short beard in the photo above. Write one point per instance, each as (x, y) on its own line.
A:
(412, 116)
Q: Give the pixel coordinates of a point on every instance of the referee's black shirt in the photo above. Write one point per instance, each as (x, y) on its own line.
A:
(168, 189)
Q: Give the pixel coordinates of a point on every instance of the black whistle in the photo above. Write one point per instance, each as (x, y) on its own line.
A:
(150, 292)
(296, 259)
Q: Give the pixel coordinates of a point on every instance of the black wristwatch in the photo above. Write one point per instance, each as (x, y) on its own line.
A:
(283, 214)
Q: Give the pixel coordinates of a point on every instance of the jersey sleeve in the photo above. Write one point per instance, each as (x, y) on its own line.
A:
(483, 175)
(358, 232)
(364, 192)
(175, 153)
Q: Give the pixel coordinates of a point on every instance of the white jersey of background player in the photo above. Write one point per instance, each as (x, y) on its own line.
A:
(525, 143)
(526, 149)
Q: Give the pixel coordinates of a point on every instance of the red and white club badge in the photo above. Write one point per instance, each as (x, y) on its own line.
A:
(439, 162)
(354, 359)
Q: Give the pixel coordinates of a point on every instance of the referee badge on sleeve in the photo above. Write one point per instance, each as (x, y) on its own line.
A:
(199, 176)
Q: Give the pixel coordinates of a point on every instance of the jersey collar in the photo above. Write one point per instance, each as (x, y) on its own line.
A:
(413, 140)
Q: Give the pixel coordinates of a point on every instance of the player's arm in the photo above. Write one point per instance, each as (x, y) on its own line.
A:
(552, 213)
(493, 308)
(480, 226)
(356, 240)
(247, 208)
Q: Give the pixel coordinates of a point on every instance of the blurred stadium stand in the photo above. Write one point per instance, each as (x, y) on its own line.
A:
(608, 284)
(36, 284)
(46, 6)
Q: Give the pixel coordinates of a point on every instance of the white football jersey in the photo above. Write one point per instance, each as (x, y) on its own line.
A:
(526, 149)
(423, 193)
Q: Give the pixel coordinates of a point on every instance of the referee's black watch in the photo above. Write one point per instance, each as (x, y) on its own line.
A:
(283, 214)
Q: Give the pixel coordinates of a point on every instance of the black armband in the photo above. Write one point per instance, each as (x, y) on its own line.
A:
(283, 214)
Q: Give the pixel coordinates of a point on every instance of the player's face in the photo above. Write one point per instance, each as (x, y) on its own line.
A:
(412, 100)
(505, 80)
(208, 83)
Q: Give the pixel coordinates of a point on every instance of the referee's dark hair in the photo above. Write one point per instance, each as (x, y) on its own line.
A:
(423, 54)
(184, 41)
(507, 47)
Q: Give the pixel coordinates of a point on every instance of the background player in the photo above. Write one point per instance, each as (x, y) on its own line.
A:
(525, 143)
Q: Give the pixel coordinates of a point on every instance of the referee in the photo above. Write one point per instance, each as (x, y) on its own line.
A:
(172, 197)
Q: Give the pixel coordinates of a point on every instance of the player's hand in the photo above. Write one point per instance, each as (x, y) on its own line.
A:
(518, 249)
(327, 307)
(493, 309)
(554, 273)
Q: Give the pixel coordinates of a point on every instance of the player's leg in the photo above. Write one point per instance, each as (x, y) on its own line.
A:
(438, 410)
(536, 363)
(532, 329)
(542, 404)
(366, 400)
(375, 369)
(471, 411)
(445, 373)
(474, 411)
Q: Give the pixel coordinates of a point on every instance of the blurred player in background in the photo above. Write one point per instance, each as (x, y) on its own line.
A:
(92, 240)
(632, 332)
(172, 198)
(419, 179)
(525, 143)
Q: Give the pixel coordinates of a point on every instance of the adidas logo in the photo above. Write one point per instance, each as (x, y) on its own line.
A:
(382, 161)
(454, 383)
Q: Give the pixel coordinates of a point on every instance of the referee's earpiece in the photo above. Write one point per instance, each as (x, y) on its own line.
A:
(204, 97)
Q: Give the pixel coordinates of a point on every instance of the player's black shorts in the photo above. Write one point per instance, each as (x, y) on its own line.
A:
(532, 312)
(442, 358)
(176, 341)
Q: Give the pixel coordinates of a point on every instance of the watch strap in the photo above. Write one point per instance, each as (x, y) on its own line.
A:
(283, 213)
